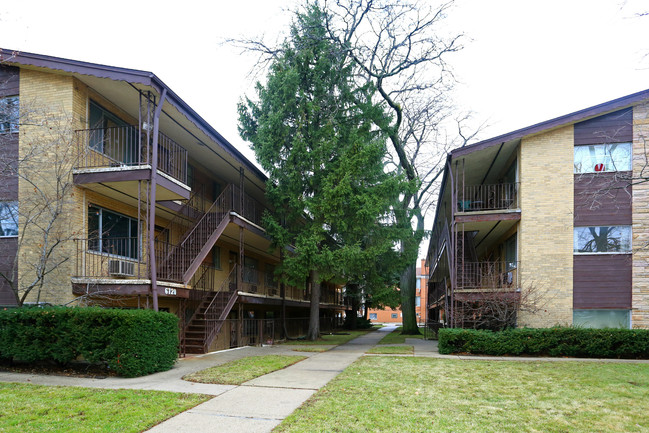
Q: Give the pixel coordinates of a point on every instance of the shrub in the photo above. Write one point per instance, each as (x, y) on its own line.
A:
(557, 341)
(131, 342)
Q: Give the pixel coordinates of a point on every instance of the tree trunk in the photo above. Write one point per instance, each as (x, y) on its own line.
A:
(407, 290)
(350, 319)
(314, 316)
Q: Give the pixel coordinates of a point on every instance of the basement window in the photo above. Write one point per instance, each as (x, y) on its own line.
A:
(601, 318)
(600, 158)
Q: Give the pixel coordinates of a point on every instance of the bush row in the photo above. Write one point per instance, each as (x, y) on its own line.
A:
(557, 341)
(130, 342)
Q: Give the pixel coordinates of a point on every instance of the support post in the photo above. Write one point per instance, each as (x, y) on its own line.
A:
(154, 180)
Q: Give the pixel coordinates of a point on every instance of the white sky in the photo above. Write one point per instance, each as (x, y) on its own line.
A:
(523, 62)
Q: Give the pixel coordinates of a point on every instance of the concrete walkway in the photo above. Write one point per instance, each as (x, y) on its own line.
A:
(262, 403)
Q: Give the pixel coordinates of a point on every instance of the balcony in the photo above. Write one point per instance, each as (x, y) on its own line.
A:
(481, 198)
(113, 258)
(478, 276)
(125, 154)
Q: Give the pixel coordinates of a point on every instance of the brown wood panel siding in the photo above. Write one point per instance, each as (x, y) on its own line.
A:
(602, 281)
(603, 199)
(9, 80)
(8, 251)
(8, 165)
(616, 127)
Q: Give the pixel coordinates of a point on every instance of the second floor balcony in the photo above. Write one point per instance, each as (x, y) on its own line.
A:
(122, 153)
(488, 197)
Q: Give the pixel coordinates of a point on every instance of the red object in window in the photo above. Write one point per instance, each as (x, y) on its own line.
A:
(599, 167)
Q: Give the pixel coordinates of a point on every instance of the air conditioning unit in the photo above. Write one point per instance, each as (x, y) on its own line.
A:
(121, 268)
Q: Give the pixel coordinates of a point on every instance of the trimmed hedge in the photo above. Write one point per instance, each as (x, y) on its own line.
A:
(557, 341)
(131, 342)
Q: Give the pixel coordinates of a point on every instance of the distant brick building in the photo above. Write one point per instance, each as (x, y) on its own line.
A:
(390, 315)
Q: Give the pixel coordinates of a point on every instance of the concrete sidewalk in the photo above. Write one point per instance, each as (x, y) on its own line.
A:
(262, 403)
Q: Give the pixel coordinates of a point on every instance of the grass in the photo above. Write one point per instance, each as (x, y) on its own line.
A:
(35, 408)
(332, 339)
(395, 337)
(244, 369)
(388, 394)
(392, 350)
(311, 349)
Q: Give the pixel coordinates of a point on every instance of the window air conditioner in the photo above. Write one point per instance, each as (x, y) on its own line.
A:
(121, 268)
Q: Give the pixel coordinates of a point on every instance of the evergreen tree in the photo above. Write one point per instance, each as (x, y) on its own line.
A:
(310, 130)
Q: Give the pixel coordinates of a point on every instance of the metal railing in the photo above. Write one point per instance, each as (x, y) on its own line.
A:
(110, 258)
(488, 275)
(219, 307)
(475, 198)
(126, 146)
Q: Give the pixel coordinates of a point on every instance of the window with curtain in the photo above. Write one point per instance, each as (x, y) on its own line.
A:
(603, 158)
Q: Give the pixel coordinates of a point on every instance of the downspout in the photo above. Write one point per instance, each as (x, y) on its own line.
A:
(152, 190)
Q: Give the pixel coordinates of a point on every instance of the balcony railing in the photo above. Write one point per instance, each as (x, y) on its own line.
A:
(475, 198)
(436, 291)
(126, 146)
(488, 275)
(116, 258)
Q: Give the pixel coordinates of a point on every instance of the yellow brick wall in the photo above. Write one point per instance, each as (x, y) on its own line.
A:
(546, 227)
(640, 273)
(46, 103)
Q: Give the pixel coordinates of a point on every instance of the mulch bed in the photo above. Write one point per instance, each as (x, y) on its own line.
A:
(75, 369)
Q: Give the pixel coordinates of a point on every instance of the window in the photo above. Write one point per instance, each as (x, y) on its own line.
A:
(510, 253)
(190, 176)
(216, 257)
(250, 267)
(269, 277)
(112, 136)
(394, 315)
(418, 284)
(112, 233)
(9, 114)
(601, 318)
(418, 301)
(605, 239)
(373, 316)
(8, 219)
(603, 158)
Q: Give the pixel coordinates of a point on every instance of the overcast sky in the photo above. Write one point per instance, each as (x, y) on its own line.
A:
(523, 62)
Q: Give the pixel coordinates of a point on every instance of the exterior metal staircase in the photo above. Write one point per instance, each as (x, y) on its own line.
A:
(208, 318)
(179, 262)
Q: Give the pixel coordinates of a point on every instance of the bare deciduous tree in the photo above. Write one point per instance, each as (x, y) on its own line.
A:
(42, 166)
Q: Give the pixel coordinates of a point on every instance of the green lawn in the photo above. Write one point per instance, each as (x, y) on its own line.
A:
(35, 408)
(333, 339)
(244, 369)
(392, 350)
(395, 337)
(311, 349)
(389, 394)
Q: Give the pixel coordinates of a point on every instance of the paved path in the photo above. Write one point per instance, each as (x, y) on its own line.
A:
(262, 403)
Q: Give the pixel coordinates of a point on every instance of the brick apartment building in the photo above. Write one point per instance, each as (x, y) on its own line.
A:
(389, 315)
(157, 209)
(558, 209)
